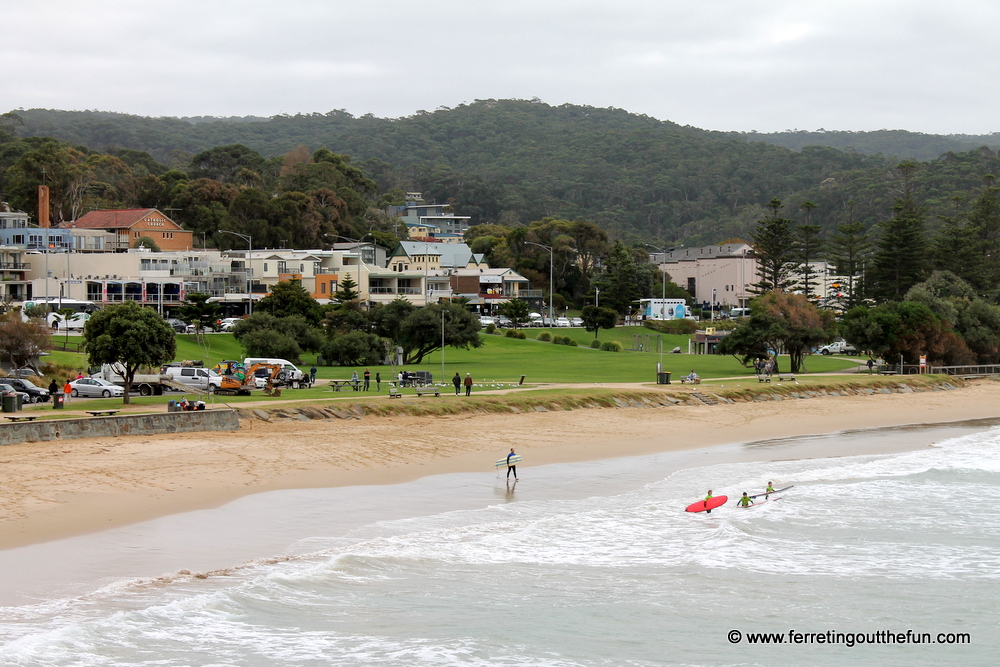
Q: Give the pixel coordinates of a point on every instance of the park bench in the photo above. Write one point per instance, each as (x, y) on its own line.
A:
(98, 413)
(428, 390)
(763, 378)
(787, 377)
(684, 380)
(26, 419)
(394, 392)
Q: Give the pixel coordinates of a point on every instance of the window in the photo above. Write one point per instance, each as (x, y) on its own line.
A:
(322, 288)
(265, 267)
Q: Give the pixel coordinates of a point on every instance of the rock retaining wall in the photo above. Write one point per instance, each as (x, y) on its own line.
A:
(99, 427)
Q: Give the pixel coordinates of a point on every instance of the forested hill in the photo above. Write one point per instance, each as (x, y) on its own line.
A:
(900, 144)
(515, 161)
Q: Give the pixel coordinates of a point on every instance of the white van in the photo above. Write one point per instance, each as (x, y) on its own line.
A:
(196, 378)
(294, 374)
(739, 312)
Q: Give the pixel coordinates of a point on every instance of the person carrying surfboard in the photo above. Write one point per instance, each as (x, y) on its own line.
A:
(769, 490)
(511, 466)
(745, 500)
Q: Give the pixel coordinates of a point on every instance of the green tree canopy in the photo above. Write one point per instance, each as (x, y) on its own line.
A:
(420, 332)
(199, 311)
(596, 318)
(130, 336)
(780, 321)
(774, 245)
(289, 297)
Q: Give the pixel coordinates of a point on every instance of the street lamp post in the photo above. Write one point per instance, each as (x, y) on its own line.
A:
(552, 321)
(249, 240)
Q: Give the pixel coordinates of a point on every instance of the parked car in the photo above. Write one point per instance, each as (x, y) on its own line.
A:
(228, 323)
(95, 388)
(563, 322)
(36, 394)
(25, 373)
(576, 321)
(838, 347)
(177, 325)
(7, 389)
(502, 321)
(485, 321)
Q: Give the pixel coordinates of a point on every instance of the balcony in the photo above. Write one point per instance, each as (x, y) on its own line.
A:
(15, 266)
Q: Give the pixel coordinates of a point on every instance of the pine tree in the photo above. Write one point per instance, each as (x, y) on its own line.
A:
(774, 245)
(900, 259)
(809, 247)
(984, 220)
(849, 249)
(347, 290)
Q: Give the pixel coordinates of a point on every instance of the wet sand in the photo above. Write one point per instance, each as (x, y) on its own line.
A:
(52, 490)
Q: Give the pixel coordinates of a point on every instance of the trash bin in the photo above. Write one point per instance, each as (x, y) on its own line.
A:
(10, 402)
(663, 377)
(58, 400)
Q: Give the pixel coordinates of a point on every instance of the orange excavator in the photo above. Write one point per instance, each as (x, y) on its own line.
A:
(239, 382)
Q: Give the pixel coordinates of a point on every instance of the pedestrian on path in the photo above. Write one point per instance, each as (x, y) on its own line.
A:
(457, 381)
(378, 381)
(368, 380)
(468, 384)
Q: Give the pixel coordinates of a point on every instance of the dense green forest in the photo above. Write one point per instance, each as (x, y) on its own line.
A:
(896, 143)
(510, 162)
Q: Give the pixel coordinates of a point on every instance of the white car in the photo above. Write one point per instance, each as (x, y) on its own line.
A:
(95, 388)
(563, 322)
(228, 323)
(485, 321)
(576, 321)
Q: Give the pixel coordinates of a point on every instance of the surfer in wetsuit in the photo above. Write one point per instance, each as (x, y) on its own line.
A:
(511, 467)
(745, 500)
(707, 498)
(769, 490)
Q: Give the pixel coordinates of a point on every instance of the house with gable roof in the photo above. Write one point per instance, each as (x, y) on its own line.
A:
(131, 224)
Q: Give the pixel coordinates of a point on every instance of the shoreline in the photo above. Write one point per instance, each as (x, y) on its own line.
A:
(52, 490)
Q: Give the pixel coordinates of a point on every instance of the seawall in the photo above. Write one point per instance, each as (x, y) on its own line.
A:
(99, 427)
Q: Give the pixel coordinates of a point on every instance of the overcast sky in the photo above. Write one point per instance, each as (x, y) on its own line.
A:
(716, 64)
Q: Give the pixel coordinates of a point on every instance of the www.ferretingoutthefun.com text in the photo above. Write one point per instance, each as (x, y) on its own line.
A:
(849, 639)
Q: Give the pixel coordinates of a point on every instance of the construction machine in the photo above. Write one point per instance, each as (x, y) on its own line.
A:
(240, 381)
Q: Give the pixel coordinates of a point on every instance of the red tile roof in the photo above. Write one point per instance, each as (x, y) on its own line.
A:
(120, 218)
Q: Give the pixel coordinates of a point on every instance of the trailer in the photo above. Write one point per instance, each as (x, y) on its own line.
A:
(152, 384)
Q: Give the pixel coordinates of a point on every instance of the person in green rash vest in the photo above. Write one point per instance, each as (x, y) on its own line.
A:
(707, 498)
(769, 490)
(745, 500)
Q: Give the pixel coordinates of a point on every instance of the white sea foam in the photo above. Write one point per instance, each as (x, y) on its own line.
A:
(902, 540)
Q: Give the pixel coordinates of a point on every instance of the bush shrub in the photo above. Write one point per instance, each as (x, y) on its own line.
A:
(611, 346)
(510, 333)
(595, 344)
(491, 328)
(571, 342)
(682, 327)
(545, 336)
(521, 335)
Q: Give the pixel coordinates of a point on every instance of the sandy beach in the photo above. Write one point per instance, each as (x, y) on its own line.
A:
(50, 490)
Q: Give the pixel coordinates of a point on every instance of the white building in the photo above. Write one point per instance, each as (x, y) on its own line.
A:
(719, 274)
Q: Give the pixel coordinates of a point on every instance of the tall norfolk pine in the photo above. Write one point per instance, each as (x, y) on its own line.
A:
(901, 256)
(775, 247)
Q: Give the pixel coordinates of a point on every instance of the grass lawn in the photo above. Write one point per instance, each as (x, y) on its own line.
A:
(500, 359)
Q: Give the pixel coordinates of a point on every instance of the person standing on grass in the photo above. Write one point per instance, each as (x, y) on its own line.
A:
(312, 374)
(368, 380)
(378, 381)
(457, 381)
(67, 390)
(871, 364)
(468, 384)
(53, 388)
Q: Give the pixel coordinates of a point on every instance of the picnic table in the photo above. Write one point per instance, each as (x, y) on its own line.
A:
(27, 419)
(337, 385)
(98, 413)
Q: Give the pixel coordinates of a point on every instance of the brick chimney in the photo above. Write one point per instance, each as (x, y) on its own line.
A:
(43, 206)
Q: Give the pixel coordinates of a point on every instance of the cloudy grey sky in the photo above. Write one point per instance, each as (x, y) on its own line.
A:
(720, 64)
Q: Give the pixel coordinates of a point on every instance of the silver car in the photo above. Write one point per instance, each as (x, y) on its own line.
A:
(95, 388)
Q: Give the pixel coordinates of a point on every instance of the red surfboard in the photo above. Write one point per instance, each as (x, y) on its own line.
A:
(707, 505)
